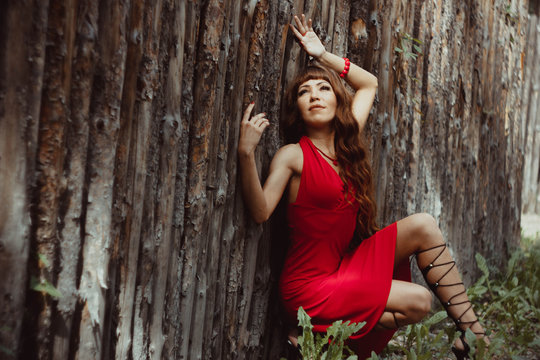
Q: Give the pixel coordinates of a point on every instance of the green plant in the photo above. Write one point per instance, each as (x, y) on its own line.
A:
(43, 285)
(409, 48)
(510, 303)
(331, 346)
(407, 44)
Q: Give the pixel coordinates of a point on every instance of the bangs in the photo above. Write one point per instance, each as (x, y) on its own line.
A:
(312, 73)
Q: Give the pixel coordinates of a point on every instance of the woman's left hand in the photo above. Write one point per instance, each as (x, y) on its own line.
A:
(307, 37)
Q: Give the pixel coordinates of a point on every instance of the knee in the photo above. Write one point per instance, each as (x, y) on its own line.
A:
(425, 225)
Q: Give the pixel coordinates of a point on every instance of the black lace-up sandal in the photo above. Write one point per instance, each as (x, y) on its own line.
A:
(461, 325)
(293, 352)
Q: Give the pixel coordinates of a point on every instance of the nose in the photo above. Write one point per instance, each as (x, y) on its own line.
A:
(314, 95)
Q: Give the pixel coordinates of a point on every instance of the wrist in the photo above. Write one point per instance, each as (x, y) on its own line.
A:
(245, 154)
(322, 55)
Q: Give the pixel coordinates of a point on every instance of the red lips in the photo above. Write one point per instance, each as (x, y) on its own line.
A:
(316, 107)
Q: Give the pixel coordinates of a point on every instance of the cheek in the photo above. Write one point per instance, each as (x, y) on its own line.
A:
(303, 105)
(332, 103)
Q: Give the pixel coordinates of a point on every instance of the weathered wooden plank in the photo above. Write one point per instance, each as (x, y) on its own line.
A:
(129, 191)
(50, 159)
(104, 124)
(174, 112)
(149, 237)
(21, 78)
(77, 132)
(198, 198)
(530, 120)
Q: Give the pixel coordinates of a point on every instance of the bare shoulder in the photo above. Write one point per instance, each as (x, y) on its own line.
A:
(290, 156)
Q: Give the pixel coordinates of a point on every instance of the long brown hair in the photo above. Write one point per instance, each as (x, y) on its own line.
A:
(351, 150)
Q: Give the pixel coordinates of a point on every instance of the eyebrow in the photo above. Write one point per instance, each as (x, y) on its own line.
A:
(319, 83)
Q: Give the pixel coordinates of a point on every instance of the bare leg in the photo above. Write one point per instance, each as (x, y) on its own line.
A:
(407, 303)
(419, 234)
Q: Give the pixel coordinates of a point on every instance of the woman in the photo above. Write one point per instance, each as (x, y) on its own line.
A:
(325, 173)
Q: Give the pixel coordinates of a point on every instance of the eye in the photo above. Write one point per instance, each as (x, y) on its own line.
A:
(302, 92)
(325, 87)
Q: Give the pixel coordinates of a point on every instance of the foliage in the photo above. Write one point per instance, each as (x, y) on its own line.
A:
(409, 48)
(43, 285)
(507, 304)
(330, 346)
(407, 43)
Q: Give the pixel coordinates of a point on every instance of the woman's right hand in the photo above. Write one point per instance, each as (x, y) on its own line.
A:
(251, 131)
(307, 37)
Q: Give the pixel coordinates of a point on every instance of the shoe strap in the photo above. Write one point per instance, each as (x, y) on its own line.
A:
(437, 284)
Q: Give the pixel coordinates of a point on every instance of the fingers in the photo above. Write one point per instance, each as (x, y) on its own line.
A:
(304, 24)
(296, 32)
(259, 120)
(300, 25)
(247, 112)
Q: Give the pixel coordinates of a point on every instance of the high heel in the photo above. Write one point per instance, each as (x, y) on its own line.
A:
(447, 303)
(293, 352)
(462, 354)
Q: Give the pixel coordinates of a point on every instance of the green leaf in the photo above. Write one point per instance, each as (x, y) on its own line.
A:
(45, 287)
(43, 259)
(412, 355)
(482, 264)
(435, 319)
(398, 50)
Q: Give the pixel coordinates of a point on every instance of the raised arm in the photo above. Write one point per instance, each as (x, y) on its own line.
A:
(261, 201)
(363, 82)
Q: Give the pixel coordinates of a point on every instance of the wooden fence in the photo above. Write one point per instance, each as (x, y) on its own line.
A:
(122, 230)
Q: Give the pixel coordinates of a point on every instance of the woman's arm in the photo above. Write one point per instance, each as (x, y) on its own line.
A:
(363, 82)
(260, 201)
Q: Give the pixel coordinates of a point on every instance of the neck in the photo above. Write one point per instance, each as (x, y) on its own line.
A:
(324, 140)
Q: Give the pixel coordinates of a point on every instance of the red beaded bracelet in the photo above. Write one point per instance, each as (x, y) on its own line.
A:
(346, 69)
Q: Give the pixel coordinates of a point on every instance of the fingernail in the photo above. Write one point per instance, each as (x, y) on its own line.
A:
(253, 102)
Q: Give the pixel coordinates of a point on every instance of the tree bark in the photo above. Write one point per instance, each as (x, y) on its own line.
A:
(119, 122)
(529, 113)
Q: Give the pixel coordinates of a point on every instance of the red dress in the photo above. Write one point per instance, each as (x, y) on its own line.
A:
(319, 274)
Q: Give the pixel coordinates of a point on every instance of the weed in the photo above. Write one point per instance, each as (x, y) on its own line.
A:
(331, 346)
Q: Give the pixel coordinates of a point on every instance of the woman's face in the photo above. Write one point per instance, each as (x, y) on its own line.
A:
(317, 103)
